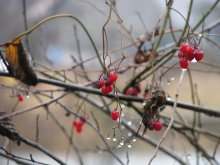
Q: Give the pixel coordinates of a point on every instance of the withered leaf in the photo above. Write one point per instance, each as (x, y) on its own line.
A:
(18, 63)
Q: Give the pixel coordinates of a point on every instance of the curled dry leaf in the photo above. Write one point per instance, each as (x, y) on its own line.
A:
(18, 64)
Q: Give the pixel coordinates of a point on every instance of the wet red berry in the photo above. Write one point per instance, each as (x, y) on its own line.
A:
(184, 63)
(113, 77)
(157, 125)
(20, 98)
(199, 55)
(115, 114)
(184, 47)
(105, 90)
(189, 53)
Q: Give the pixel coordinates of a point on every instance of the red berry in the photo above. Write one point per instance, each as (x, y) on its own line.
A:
(183, 48)
(110, 88)
(189, 53)
(157, 125)
(105, 90)
(180, 55)
(132, 91)
(20, 98)
(114, 115)
(100, 83)
(199, 55)
(78, 125)
(184, 64)
(113, 77)
(79, 129)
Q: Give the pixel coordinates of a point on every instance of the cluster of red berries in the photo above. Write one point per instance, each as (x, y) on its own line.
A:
(188, 52)
(20, 98)
(115, 114)
(106, 83)
(78, 124)
(155, 125)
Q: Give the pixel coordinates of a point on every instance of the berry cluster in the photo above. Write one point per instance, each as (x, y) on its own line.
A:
(106, 83)
(188, 52)
(115, 114)
(155, 125)
(78, 124)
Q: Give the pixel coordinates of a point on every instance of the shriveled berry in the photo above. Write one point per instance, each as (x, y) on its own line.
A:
(184, 64)
(20, 98)
(115, 114)
(113, 77)
(151, 126)
(199, 55)
(157, 125)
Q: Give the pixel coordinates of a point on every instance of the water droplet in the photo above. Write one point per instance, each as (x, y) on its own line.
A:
(172, 78)
(122, 106)
(129, 123)
(129, 145)
(184, 69)
(193, 61)
(144, 103)
(28, 96)
(122, 143)
(129, 134)
(134, 140)
(108, 138)
(114, 139)
(168, 98)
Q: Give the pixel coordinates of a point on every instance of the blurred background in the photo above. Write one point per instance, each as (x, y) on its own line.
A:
(53, 44)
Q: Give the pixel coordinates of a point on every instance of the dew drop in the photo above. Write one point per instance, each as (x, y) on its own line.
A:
(114, 139)
(121, 143)
(172, 78)
(193, 61)
(28, 96)
(129, 145)
(129, 134)
(122, 106)
(134, 140)
(129, 123)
